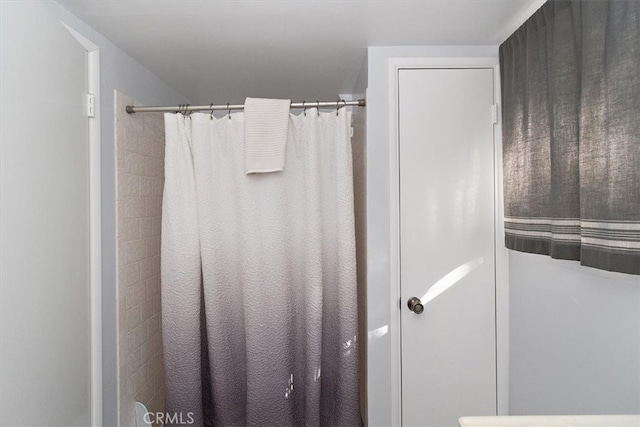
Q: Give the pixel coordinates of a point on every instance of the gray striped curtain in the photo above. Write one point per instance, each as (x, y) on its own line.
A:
(571, 133)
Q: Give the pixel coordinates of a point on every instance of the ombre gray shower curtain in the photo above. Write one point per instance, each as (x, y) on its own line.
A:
(571, 133)
(259, 277)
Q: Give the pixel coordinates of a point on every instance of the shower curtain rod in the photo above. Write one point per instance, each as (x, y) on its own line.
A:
(186, 107)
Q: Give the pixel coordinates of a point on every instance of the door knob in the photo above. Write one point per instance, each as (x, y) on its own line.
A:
(415, 305)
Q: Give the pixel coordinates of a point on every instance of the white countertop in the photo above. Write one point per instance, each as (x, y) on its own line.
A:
(553, 420)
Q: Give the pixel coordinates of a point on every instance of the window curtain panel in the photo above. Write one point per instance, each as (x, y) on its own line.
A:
(570, 80)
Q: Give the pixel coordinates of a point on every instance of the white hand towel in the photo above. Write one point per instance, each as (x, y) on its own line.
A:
(266, 126)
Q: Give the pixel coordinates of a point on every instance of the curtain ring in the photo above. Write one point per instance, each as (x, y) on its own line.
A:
(211, 115)
(187, 112)
(338, 107)
(318, 107)
(228, 111)
(344, 102)
(304, 111)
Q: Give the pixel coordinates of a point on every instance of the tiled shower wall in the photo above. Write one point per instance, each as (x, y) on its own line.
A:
(140, 179)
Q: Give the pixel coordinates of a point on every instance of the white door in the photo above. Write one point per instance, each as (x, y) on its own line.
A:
(447, 245)
(44, 222)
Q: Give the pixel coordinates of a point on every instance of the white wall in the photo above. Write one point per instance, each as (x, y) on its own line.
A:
(575, 338)
(45, 363)
(117, 71)
(382, 390)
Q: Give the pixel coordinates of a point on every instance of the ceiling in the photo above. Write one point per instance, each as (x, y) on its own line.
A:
(222, 51)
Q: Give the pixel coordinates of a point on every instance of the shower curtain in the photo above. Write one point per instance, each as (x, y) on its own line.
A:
(259, 276)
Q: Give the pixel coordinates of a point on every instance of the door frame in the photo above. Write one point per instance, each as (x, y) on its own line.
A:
(95, 225)
(501, 253)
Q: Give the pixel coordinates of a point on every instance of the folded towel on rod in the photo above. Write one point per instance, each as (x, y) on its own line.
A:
(266, 126)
